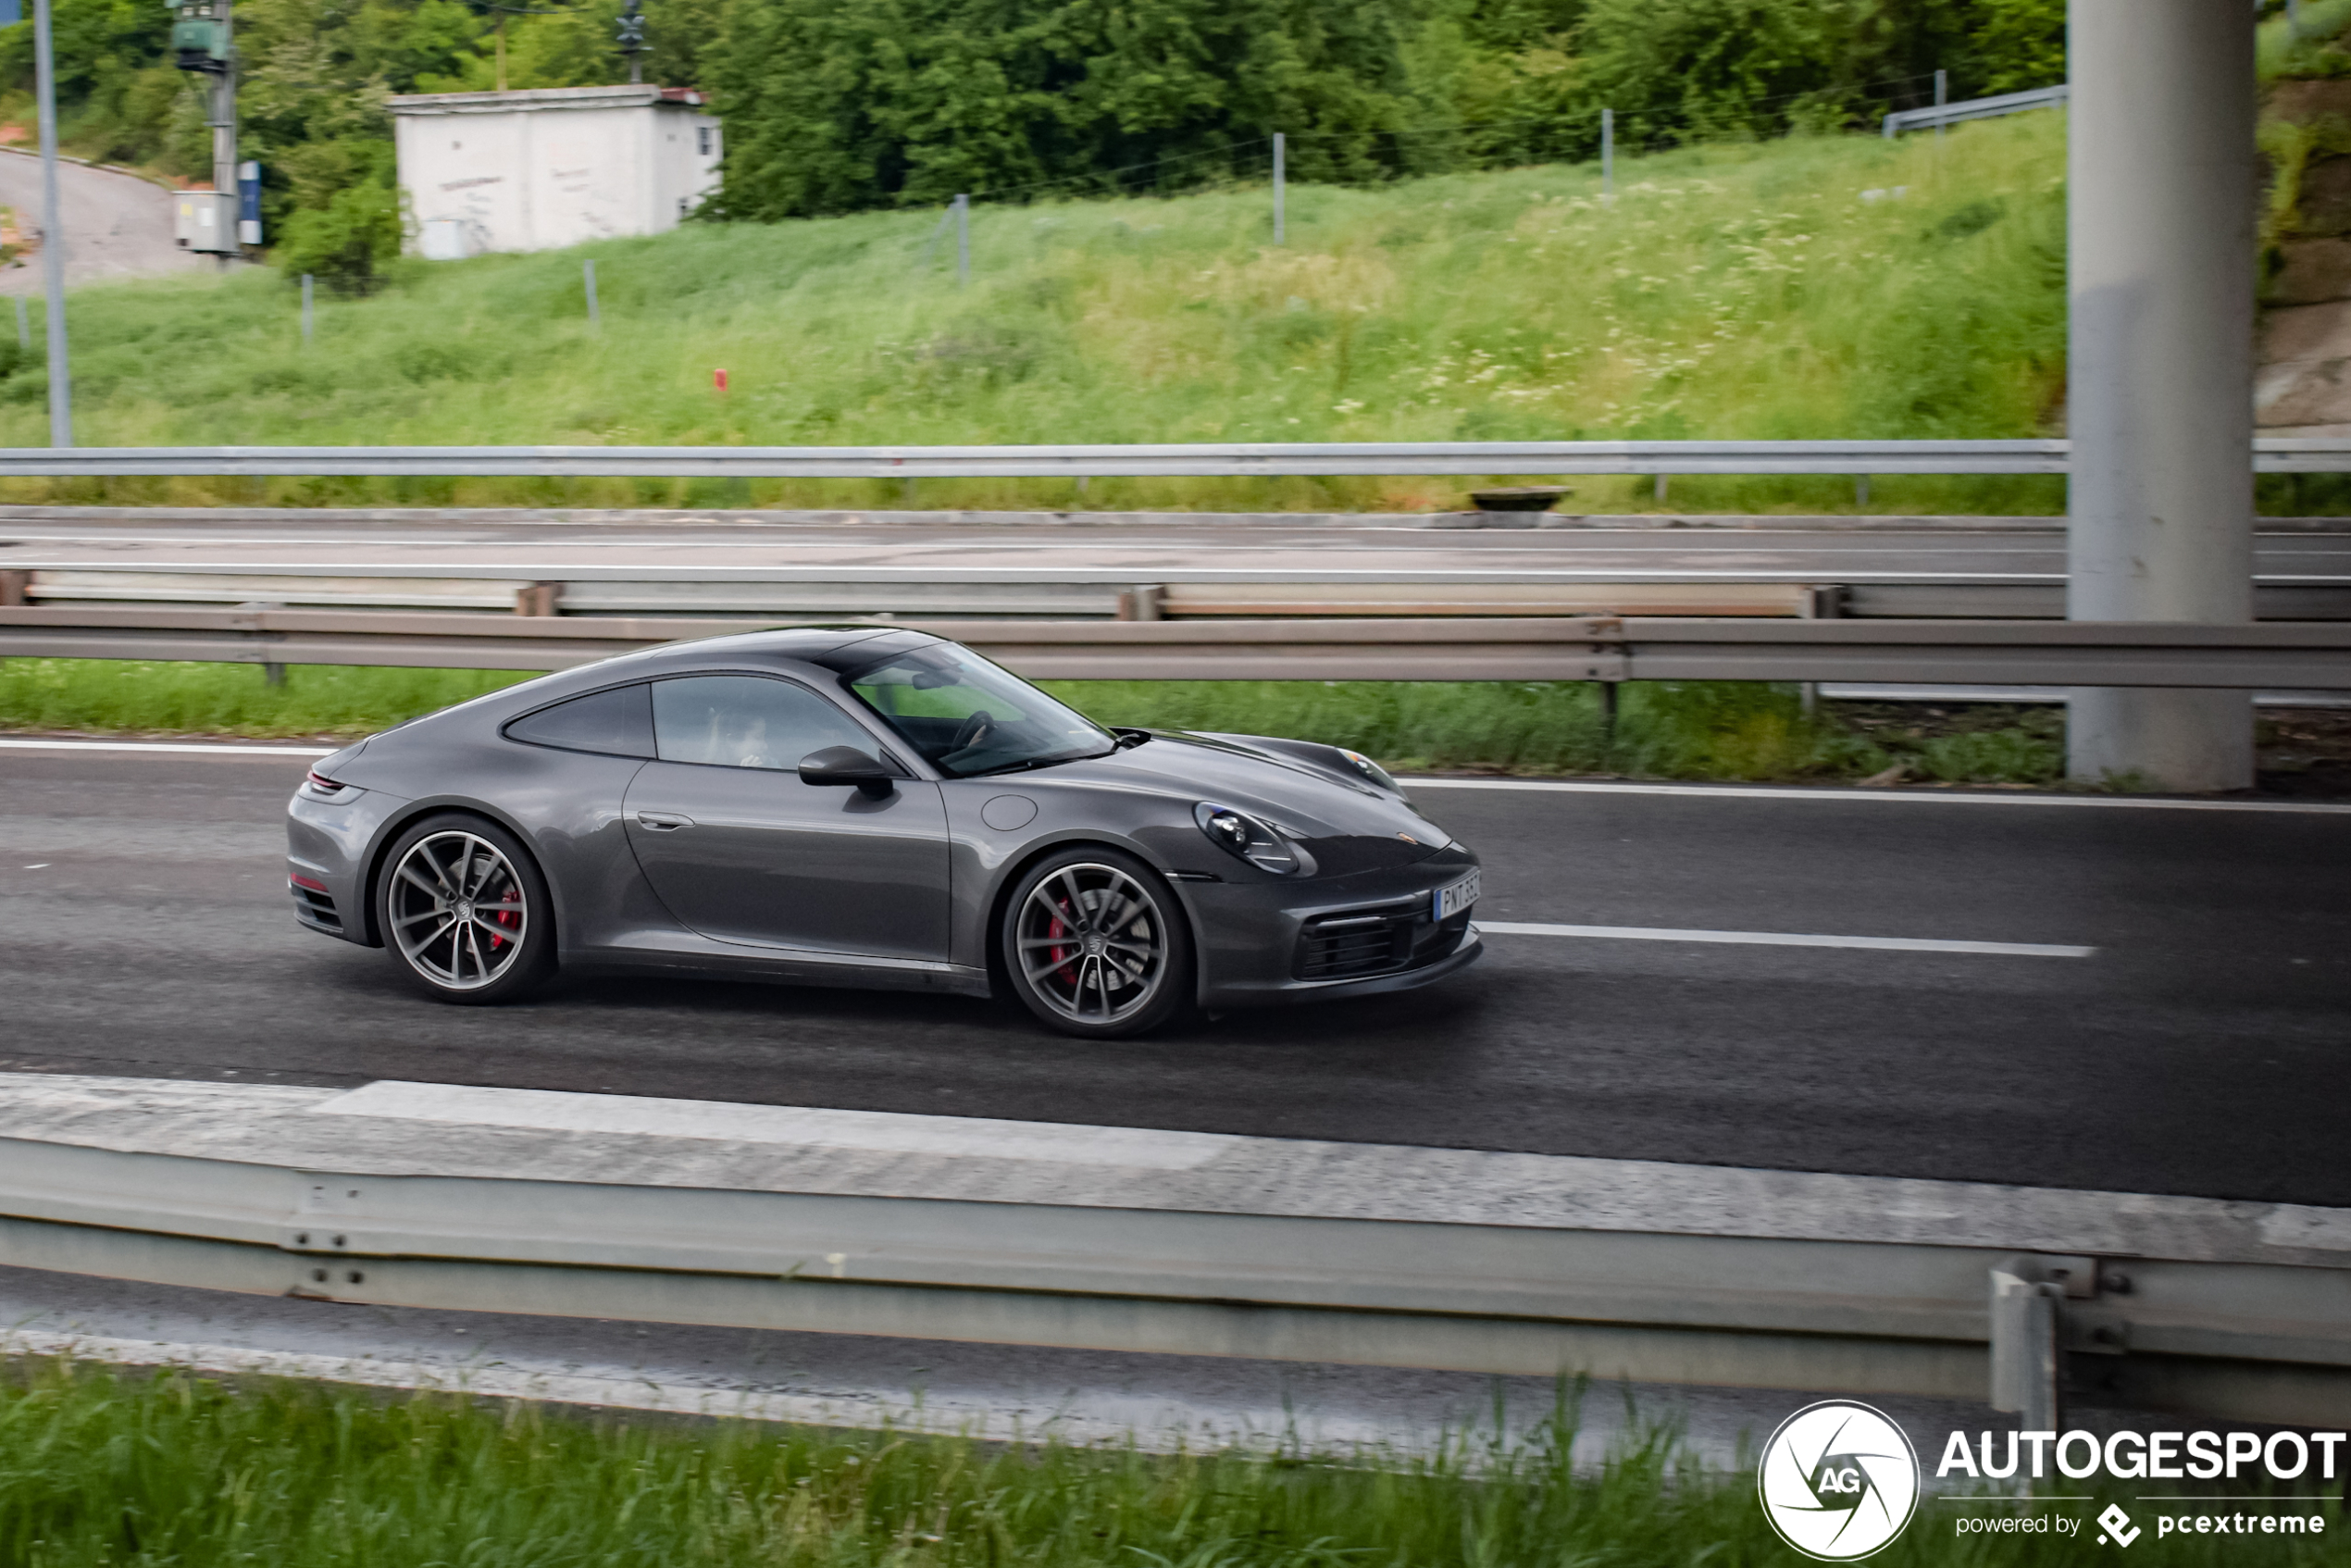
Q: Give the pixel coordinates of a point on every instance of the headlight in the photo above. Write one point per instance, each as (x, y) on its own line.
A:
(1252, 840)
(1370, 769)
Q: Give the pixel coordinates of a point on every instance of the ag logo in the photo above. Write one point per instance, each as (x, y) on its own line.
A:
(1838, 1480)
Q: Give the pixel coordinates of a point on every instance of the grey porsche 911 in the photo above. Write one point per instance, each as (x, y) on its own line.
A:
(868, 806)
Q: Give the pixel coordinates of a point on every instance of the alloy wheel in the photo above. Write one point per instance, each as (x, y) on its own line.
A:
(458, 911)
(1091, 943)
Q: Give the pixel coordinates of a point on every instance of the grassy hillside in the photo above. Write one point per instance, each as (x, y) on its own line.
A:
(1829, 286)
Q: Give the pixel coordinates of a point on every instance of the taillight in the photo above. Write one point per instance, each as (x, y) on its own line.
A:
(318, 786)
(307, 882)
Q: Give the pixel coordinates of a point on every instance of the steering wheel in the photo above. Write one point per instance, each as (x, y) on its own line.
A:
(972, 731)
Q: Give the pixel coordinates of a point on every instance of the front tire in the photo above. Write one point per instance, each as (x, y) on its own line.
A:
(1096, 946)
(465, 913)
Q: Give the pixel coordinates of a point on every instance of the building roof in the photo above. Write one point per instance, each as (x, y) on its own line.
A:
(535, 99)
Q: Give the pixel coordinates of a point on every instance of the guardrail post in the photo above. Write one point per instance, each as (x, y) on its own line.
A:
(1822, 601)
(247, 619)
(13, 585)
(2024, 1343)
(537, 599)
(1142, 602)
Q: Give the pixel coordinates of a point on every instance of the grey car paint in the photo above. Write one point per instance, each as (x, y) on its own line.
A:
(902, 892)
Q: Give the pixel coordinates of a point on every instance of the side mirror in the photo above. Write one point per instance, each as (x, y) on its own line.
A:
(847, 765)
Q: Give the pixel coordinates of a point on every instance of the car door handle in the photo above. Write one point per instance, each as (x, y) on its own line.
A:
(663, 821)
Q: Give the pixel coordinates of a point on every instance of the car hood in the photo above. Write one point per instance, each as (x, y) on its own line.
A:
(1348, 826)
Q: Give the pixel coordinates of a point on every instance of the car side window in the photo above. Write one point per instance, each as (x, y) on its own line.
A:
(747, 721)
(618, 723)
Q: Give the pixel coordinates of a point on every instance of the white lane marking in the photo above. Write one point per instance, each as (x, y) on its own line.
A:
(215, 747)
(1913, 797)
(1783, 938)
(873, 1131)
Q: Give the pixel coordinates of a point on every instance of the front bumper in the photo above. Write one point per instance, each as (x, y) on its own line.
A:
(1468, 952)
(1267, 942)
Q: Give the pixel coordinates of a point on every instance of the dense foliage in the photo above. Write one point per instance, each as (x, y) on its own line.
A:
(834, 105)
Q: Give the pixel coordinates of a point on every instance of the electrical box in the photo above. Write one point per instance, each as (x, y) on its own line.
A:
(205, 220)
(200, 42)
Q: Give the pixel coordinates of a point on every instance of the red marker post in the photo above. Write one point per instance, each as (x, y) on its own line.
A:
(718, 379)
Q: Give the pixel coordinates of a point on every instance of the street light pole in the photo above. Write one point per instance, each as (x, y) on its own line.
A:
(53, 231)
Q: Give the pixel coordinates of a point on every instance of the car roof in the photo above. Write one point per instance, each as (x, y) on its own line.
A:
(835, 647)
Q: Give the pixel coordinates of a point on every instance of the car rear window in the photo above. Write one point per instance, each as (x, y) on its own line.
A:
(618, 723)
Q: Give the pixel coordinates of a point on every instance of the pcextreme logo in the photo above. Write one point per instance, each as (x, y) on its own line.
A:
(1838, 1480)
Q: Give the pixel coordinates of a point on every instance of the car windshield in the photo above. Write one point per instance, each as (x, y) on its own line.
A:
(965, 716)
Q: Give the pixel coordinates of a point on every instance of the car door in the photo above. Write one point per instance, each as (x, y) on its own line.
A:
(739, 850)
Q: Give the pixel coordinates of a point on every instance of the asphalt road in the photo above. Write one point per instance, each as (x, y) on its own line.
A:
(115, 225)
(144, 930)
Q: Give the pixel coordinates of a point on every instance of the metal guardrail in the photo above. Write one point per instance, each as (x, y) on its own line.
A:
(2271, 455)
(2268, 655)
(1189, 460)
(1976, 108)
(1204, 459)
(1061, 592)
(967, 462)
(2242, 1339)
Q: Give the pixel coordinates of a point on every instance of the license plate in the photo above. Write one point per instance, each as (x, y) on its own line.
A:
(1449, 902)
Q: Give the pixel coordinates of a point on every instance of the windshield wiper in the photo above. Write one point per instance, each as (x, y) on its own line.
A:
(1029, 762)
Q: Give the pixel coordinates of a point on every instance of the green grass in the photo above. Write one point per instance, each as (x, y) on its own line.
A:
(143, 695)
(1727, 292)
(98, 1467)
(1697, 730)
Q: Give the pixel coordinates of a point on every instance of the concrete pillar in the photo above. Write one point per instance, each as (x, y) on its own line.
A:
(2161, 194)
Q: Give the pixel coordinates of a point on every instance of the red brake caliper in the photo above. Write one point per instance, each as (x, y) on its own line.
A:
(507, 916)
(1061, 955)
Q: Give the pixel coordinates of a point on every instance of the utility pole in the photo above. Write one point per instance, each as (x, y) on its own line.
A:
(53, 232)
(1942, 92)
(630, 29)
(1608, 154)
(224, 131)
(2160, 188)
(203, 45)
(1281, 146)
(963, 211)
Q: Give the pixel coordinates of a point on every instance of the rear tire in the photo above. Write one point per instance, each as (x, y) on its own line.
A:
(465, 913)
(1096, 946)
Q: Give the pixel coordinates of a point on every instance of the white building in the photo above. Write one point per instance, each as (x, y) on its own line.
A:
(532, 170)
